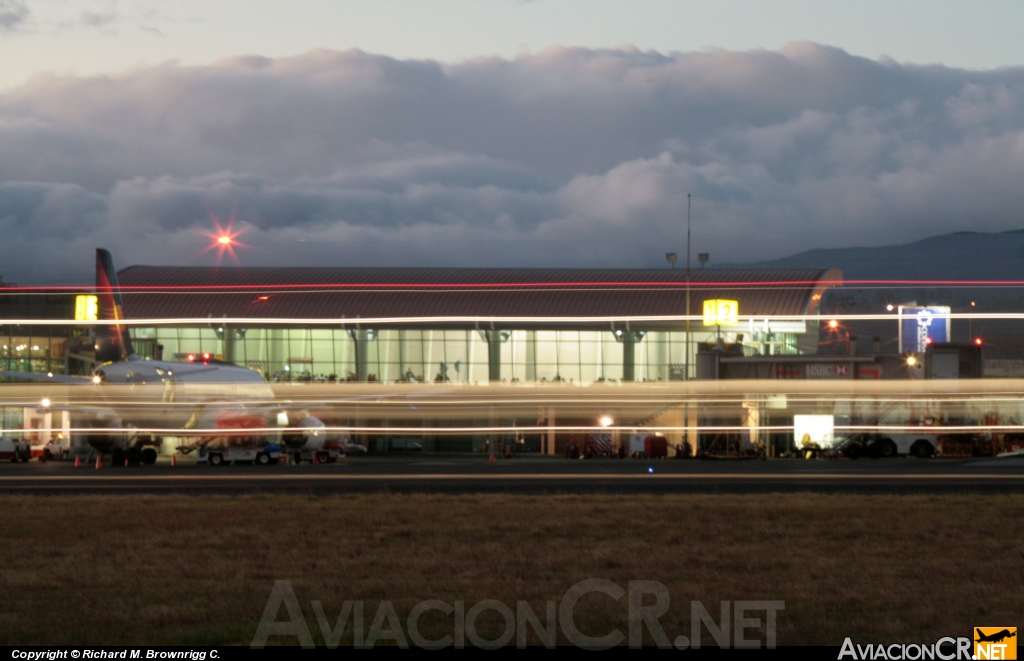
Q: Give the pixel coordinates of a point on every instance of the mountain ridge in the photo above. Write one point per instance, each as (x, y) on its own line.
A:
(962, 255)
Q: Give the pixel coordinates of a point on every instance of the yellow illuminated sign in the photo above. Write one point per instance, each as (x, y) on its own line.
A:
(86, 307)
(718, 312)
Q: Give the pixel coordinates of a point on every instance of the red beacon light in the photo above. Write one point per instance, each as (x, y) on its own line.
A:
(927, 340)
(977, 341)
(206, 358)
(191, 358)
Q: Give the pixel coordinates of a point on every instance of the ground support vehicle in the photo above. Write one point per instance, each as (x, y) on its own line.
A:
(329, 452)
(12, 449)
(883, 446)
(56, 449)
(218, 455)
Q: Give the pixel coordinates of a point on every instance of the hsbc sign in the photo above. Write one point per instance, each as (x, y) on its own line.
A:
(829, 371)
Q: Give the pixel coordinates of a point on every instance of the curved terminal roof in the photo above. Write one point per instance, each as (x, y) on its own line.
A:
(436, 297)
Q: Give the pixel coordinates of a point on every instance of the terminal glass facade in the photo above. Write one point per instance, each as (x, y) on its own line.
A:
(457, 356)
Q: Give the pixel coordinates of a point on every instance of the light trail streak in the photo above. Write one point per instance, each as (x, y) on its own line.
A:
(533, 429)
(506, 322)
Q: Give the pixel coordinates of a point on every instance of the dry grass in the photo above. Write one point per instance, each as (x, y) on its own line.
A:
(195, 570)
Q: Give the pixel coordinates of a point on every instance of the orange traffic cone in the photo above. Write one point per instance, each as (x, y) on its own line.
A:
(174, 460)
(314, 458)
(491, 460)
(126, 462)
(78, 461)
(99, 462)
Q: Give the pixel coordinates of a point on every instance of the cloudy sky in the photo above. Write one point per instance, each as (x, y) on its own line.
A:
(499, 132)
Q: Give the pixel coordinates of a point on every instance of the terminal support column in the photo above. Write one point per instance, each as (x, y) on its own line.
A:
(628, 356)
(361, 339)
(228, 343)
(494, 340)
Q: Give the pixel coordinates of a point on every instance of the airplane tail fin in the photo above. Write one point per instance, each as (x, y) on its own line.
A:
(112, 340)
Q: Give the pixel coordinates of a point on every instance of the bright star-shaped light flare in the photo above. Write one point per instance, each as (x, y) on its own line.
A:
(224, 239)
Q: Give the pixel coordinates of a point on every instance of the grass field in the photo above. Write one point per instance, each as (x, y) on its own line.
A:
(191, 570)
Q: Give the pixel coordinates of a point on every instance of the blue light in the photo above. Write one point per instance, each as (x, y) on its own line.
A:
(650, 470)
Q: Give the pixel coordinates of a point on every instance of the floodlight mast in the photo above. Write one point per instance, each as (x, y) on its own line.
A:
(686, 411)
(688, 287)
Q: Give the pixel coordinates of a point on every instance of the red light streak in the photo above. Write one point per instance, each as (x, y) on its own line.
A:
(512, 285)
(738, 284)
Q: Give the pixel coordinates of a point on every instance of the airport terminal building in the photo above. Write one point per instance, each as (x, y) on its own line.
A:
(464, 325)
(460, 325)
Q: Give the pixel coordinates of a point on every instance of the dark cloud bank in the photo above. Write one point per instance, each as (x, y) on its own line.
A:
(568, 157)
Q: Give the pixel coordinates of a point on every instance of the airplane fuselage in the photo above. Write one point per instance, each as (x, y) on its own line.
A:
(166, 394)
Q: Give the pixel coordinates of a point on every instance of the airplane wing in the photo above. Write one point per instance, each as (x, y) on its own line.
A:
(46, 378)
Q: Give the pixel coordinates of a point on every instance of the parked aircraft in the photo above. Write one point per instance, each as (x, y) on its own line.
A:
(193, 396)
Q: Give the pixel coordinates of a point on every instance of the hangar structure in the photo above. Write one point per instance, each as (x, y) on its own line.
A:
(467, 325)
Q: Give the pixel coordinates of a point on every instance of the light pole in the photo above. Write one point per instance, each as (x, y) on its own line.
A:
(686, 411)
(688, 287)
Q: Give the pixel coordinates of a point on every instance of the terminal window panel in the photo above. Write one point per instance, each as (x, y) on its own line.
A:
(34, 348)
(12, 419)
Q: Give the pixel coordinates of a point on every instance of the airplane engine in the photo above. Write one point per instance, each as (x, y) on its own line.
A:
(310, 436)
(104, 443)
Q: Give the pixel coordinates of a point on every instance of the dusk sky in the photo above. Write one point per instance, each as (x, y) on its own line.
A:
(500, 132)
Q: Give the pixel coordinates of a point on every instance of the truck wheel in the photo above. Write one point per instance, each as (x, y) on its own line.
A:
(263, 459)
(216, 460)
(887, 449)
(855, 451)
(922, 449)
(148, 456)
(322, 457)
(874, 449)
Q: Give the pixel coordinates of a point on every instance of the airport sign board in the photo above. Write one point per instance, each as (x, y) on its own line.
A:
(718, 312)
(86, 307)
(923, 325)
